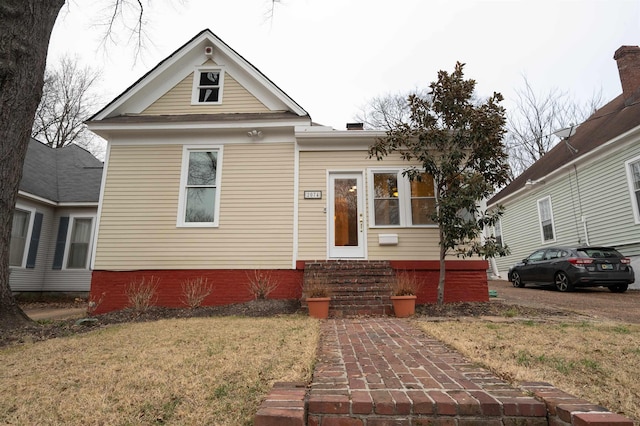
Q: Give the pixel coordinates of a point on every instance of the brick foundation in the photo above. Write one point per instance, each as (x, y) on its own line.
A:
(466, 281)
(228, 285)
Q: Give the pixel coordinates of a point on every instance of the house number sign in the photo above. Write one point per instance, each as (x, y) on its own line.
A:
(313, 195)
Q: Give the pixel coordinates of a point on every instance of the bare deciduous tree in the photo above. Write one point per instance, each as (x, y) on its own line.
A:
(67, 101)
(534, 119)
(25, 31)
(387, 111)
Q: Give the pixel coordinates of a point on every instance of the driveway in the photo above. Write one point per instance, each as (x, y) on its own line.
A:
(596, 302)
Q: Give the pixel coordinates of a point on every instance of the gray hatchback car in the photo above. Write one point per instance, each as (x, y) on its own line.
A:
(569, 267)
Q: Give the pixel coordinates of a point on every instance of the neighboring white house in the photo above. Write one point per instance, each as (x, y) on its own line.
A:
(586, 190)
(54, 220)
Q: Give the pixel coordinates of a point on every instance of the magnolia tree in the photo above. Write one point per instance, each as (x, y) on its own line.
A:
(458, 141)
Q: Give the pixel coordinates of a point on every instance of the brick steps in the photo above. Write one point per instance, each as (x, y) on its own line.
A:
(358, 288)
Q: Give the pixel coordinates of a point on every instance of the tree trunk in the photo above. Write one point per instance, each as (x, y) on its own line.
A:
(25, 29)
(443, 271)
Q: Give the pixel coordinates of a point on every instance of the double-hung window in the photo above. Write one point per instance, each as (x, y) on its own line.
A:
(207, 86)
(545, 213)
(19, 234)
(200, 189)
(399, 202)
(633, 175)
(79, 243)
(497, 232)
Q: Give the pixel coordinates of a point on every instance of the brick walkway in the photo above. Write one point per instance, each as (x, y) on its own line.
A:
(385, 369)
(385, 372)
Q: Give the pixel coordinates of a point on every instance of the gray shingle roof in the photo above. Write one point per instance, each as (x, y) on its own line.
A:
(64, 175)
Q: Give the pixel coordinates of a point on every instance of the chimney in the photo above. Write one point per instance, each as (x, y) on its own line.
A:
(628, 59)
(355, 126)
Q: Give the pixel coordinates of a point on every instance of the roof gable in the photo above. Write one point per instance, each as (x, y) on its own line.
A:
(603, 127)
(178, 66)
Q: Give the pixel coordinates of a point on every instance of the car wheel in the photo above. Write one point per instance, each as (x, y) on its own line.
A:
(619, 288)
(562, 282)
(516, 280)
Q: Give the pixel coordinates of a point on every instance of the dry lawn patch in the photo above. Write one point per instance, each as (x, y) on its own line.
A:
(595, 361)
(198, 371)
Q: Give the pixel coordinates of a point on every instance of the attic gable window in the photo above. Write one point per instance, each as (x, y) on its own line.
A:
(207, 86)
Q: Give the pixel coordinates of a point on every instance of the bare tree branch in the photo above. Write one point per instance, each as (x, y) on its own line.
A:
(534, 119)
(67, 101)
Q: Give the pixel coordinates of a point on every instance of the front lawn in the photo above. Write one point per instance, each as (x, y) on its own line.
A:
(196, 371)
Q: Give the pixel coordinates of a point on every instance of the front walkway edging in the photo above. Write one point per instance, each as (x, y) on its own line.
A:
(383, 372)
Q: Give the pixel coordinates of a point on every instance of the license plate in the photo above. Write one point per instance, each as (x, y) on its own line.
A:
(606, 266)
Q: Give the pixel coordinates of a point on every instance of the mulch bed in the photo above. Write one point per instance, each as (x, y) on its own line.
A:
(43, 330)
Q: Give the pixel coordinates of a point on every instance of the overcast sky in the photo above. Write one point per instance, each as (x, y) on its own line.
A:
(331, 56)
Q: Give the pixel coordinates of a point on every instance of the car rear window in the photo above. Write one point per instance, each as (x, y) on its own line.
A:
(598, 252)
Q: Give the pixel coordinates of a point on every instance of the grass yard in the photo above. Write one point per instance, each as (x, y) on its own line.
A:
(595, 361)
(199, 371)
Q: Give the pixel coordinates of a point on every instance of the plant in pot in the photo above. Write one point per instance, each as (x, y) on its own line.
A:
(404, 290)
(317, 295)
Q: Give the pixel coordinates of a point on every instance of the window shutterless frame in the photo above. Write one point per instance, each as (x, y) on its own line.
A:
(633, 177)
(199, 200)
(545, 216)
(208, 85)
(394, 200)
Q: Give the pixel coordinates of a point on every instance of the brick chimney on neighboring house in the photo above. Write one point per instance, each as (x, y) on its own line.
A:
(628, 59)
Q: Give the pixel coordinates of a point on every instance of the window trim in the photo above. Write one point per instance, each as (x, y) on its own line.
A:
(553, 226)
(67, 245)
(195, 90)
(182, 200)
(25, 253)
(404, 197)
(632, 192)
(494, 232)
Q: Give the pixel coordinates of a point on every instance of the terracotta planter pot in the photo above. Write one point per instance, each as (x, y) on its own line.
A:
(404, 306)
(318, 307)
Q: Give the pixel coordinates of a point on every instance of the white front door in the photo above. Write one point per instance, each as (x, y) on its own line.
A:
(346, 216)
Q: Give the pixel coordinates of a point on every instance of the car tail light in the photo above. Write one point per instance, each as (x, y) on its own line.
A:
(625, 260)
(580, 261)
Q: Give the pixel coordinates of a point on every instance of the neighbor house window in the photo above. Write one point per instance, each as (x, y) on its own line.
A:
(397, 201)
(19, 232)
(497, 232)
(546, 219)
(200, 194)
(633, 173)
(79, 243)
(207, 86)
